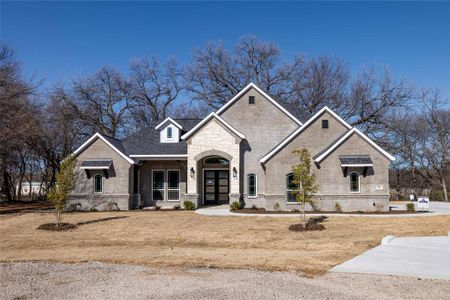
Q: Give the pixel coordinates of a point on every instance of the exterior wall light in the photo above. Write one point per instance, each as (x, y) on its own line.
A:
(192, 171)
(234, 172)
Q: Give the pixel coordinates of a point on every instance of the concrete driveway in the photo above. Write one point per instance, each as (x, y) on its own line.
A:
(427, 257)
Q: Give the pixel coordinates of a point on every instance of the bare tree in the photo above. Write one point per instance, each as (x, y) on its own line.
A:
(19, 124)
(216, 74)
(102, 101)
(154, 88)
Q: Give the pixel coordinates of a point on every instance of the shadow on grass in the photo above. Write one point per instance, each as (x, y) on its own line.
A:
(68, 226)
(100, 220)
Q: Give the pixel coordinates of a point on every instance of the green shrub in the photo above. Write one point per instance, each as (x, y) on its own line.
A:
(157, 207)
(235, 205)
(359, 212)
(189, 205)
(176, 207)
(295, 210)
(410, 207)
(437, 195)
(337, 207)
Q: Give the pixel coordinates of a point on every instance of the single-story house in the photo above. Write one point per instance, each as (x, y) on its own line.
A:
(241, 152)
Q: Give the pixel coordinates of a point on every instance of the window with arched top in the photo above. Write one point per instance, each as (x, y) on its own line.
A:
(216, 160)
(290, 188)
(98, 184)
(355, 183)
(251, 185)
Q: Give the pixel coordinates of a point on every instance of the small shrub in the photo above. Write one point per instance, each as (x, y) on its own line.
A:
(295, 210)
(337, 207)
(235, 205)
(189, 205)
(410, 207)
(314, 205)
(254, 206)
(176, 207)
(111, 205)
(359, 212)
(157, 207)
(437, 195)
(94, 209)
(276, 206)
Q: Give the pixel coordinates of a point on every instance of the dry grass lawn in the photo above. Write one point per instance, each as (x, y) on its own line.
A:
(182, 238)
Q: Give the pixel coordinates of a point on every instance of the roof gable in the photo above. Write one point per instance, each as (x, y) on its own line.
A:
(115, 144)
(302, 128)
(265, 95)
(169, 119)
(206, 120)
(326, 151)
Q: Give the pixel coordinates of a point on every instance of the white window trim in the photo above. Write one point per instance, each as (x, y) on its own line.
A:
(256, 186)
(288, 190)
(164, 184)
(359, 183)
(167, 185)
(93, 179)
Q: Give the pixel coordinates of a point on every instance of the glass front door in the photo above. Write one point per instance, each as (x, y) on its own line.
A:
(216, 186)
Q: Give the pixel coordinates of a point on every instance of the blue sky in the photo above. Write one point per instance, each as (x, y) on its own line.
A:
(60, 40)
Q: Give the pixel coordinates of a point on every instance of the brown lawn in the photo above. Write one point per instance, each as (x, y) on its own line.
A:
(182, 238)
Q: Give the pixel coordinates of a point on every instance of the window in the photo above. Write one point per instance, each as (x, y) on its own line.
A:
(157, 185)
(169, 132)
(216, 160)
(173, 185)
(324, 123)
(251, 186)
(251, 99)
(290, 187)
(354, 182)
(98, 184)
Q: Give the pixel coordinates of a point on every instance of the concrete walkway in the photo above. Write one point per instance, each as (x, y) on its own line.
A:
(427, 257)
(436, 209)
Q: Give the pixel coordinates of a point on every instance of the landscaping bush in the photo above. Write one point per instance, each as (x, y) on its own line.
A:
(157, 207)
(437, 195)
(276, 206)
(295, 210)
(235, 205)
(337, 207)
(189, 205)
(176, 207)
(410, 207)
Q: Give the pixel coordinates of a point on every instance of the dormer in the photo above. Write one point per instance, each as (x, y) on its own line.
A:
(169, 131)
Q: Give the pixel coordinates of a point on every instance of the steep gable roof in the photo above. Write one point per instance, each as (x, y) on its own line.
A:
(169, 119)
(265, 95)
(114, 143)
(298, 131)
(206, 120)
(330, 148)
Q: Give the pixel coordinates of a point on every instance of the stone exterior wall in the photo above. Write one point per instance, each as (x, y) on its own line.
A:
(116, 189)
(145, 181)
(212, 139)
(264, 126)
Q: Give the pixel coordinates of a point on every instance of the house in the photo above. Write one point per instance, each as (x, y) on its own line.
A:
(30, 188)
(243, 151)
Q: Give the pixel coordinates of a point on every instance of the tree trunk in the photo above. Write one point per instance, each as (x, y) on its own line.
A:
(444, 187)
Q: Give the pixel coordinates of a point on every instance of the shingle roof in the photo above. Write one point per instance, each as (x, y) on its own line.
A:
(355, 160)
(96, 163)
(147, 141)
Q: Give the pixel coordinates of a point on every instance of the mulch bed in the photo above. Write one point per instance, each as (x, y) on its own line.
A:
(53, 227)
(273, 212)
(69, 226)
(313, 224)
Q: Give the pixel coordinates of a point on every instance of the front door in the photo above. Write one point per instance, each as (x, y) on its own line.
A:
(216, 186)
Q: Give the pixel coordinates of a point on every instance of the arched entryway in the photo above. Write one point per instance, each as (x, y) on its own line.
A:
(215, 179)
